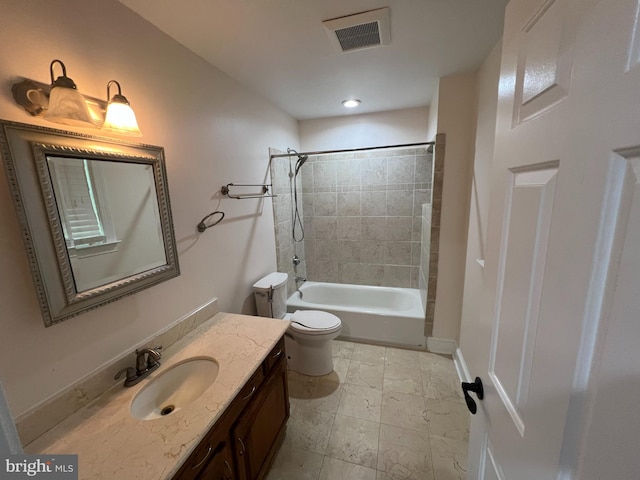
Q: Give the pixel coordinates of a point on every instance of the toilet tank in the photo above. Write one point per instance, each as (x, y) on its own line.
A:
(277, 307)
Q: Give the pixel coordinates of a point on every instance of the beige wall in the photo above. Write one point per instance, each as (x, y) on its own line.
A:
(474, 334)
(433, 114)
(456, 119)
(214, 132)
(394, 127)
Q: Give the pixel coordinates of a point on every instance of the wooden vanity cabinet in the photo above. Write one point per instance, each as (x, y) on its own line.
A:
(244, 440)
(261, 426)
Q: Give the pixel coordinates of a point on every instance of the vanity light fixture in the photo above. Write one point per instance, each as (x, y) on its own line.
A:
(66, 103)
(351, 103)
(120, 117)
(61, 102)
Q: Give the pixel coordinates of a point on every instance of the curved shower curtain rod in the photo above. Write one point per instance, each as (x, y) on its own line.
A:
(292, 152)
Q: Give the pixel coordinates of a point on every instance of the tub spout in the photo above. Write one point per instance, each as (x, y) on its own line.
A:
(301, 279)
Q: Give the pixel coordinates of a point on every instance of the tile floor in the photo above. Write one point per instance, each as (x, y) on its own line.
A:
(383, 414)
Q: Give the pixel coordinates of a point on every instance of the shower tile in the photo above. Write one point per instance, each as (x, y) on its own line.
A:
(399, 228)
(349, 172)
(415, 275)
(404, 454)
(324, 204)
(416, 230)
(374, 228)
(361, 274)
(371, 251)
(326, 272)
(325, 228)
(423, 168)
(399, 203)
(283, 235)
(348, 251)
(309, 248)
(397, 253)
(420, 198)
(416, 251)
(374, 171)
(324, 174)
(326, 250)
(349, 228)
(401, 169)
(349, 204)
(397, 276)
(306, 175)
(374, 203)
(354, 440)
(307, 203)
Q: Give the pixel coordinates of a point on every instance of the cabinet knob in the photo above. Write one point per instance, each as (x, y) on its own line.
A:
(230, 476)
(278, 353)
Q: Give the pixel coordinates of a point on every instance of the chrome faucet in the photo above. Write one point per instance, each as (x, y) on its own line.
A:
(300, 279)
(147, 360)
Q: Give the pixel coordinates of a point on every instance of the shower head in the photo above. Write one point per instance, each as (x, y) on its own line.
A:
(300, 161)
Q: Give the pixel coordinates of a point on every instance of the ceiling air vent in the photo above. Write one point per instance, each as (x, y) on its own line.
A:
(358, 31)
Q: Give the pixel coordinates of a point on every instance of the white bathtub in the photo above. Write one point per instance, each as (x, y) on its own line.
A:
(384, 315)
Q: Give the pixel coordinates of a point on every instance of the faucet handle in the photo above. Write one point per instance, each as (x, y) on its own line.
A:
(131, 374)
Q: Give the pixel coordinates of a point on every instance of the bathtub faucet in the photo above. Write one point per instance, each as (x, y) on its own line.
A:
(300, 279)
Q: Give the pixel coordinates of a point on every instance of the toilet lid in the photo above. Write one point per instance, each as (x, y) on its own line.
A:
(314, 321)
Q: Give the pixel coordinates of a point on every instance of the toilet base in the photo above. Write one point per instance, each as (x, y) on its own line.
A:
(313, 358)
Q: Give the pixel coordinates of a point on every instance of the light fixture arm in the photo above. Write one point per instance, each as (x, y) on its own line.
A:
(62, 81)
(118, 97)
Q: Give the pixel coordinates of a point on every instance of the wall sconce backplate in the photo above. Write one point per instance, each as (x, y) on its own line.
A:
(33, 96)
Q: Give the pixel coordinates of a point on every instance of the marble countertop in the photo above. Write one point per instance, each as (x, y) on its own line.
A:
(111, 444)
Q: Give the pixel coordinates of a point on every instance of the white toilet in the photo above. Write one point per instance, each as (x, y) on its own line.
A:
(308, 339)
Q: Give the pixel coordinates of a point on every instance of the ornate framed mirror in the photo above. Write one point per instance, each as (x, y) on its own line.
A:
(95, 216)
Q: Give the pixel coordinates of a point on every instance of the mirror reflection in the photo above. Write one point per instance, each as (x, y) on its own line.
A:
(109, 217)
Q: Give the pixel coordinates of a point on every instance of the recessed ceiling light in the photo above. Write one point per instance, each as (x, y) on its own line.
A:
(351, 103)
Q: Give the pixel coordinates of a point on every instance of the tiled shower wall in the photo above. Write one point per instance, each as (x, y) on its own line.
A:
(363, 216)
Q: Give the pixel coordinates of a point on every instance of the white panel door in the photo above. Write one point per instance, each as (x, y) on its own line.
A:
(564, 215)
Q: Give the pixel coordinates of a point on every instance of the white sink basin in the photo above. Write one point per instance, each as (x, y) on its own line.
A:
(174, 388)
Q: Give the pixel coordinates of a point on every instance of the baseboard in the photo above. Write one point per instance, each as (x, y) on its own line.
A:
(461, 366)
(444, 346)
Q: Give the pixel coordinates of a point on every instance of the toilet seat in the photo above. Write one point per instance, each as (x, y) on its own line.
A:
(314, 322)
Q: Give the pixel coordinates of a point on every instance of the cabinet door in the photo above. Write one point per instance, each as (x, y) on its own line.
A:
(220, 464)
(258, 430)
